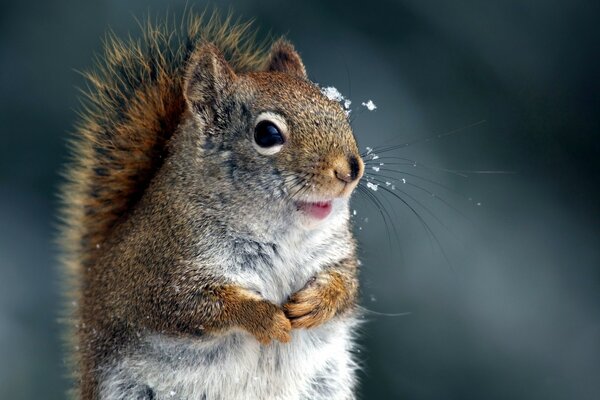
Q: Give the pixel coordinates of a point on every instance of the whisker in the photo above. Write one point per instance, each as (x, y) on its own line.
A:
(422, 140)
(499, 172)
(423, 222)
(437, 219)
(430, 193)
(433, 182)
(412, 163)
(459, 172)
(382, 314)
(376, 199)
(303, 185)
(382, 211)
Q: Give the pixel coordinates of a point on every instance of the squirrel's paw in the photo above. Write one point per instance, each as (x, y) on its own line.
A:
(313, 305)
(268, 322)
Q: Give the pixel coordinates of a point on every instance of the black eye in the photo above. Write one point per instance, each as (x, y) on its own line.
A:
(267, 134)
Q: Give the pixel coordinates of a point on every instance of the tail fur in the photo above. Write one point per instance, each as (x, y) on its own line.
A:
(131, 107)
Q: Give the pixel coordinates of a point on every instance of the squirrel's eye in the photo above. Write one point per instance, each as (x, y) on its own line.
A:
(270, 133)
(267, 134)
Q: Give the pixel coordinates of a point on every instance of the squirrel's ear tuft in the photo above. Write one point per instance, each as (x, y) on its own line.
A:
(208, 77)
(284, 58)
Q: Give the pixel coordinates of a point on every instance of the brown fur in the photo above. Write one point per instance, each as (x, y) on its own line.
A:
(122, 267)
(131, 107)
(331, 293)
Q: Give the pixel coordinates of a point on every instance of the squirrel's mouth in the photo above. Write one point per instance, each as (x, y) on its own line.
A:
(318, 209)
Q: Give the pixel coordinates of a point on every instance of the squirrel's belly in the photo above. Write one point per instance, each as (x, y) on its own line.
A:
(315, 364)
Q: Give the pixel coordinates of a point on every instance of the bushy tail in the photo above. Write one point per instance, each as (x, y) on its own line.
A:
(131, 106)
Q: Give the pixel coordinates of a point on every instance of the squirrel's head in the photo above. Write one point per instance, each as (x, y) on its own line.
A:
(287, 147)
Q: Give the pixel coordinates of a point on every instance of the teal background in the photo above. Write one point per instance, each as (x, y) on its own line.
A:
(513, 309)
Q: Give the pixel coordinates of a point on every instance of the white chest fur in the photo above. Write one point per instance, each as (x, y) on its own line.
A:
(316, 364)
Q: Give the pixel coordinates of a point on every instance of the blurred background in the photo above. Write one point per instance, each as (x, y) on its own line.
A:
(481, 286)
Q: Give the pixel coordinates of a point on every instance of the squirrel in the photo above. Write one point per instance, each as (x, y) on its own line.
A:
(207, 239)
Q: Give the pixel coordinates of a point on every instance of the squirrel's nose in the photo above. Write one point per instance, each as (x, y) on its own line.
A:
(348, 169)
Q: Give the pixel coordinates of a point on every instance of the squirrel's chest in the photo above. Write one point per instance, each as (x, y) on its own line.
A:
(277, 270)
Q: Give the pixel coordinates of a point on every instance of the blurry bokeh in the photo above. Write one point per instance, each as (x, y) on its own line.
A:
(497, 280)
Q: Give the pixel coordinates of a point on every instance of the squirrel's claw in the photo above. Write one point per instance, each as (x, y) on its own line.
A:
(310, 307)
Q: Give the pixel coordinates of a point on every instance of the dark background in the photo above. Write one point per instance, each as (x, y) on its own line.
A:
(512, 311)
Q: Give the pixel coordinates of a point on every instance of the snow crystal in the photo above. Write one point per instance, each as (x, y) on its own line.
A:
(478, 204)
(332, 93)
(353, 212)
(388, 183)
(376, 169)
(369, 150)
(403, 180)
(372, 186)
(370, 105)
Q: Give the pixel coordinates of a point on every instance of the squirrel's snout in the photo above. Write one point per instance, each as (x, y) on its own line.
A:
(348, 169)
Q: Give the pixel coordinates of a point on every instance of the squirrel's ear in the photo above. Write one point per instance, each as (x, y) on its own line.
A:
(284, 58)
(208, 77)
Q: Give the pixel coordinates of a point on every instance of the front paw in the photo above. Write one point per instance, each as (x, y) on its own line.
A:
(268, 322)
(314, 304)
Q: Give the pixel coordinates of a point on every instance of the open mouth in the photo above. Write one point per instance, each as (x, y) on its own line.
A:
(317, 210)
